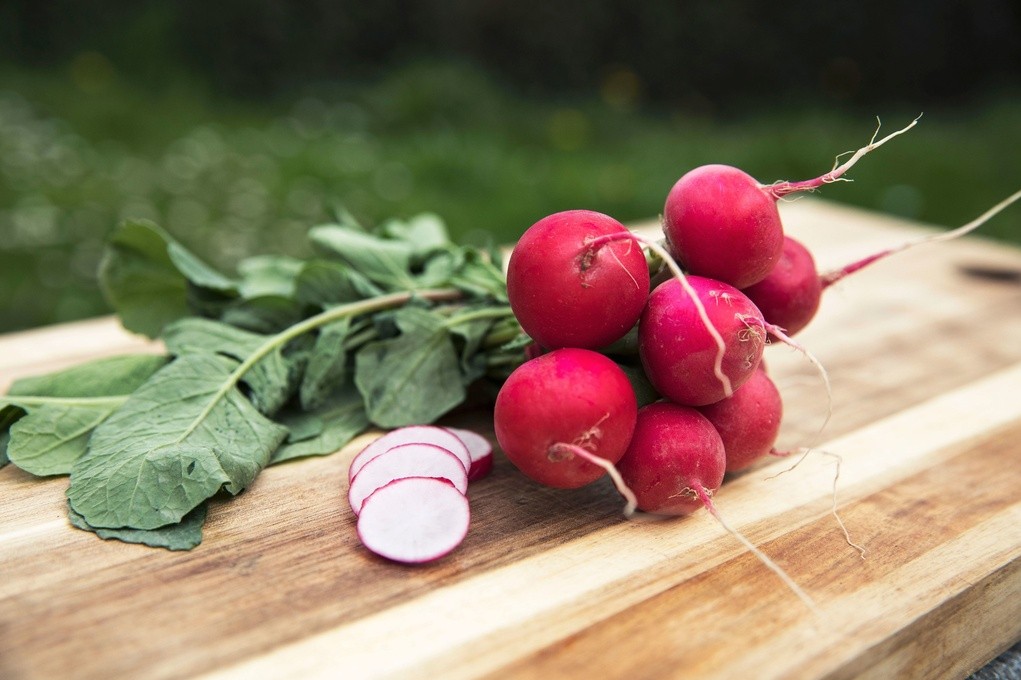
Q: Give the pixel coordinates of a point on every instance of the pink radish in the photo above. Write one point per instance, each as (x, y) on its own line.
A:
(406, 460)
(412, 434)
(721, 223)
(565, 417)
(681, 357)
(414, 520)
(675, 464)
(748, 422)
(675, 458)
(480, 450)
(569, 292)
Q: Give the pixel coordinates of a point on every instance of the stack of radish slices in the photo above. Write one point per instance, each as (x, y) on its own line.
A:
(408, 490)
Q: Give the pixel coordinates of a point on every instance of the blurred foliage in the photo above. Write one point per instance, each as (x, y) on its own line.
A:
(232, 180)
(237, 125)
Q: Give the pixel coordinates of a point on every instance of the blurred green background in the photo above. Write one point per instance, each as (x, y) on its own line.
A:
(237, 125)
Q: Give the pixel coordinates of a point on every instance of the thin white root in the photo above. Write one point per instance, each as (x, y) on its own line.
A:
(770, 564)
(721, 345)
(833, 509)
(783, 187)
(787, 340)
(631, 501)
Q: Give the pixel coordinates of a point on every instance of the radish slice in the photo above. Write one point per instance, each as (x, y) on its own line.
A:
(414, 520)
(412, 434)
(480, 450)
(406, 460)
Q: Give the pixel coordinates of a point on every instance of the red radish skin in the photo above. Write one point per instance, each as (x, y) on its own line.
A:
(555, 409)
(411, 434)
(789, 296)
(677, 350)
(748, 421)
(719, 223)
(406, 460)
(675, 454)
(480, 450)
(568, 292)
(414, 520)
(722, 223)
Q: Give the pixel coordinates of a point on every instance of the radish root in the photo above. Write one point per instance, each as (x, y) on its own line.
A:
(707, 501)
(782, 188)
(562, 451)
(832, 277)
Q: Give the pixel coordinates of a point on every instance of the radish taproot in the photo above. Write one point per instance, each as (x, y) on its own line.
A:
(411, 434)
(565, 417)
(406, 460)
(414, 520)
(790, 295)
(681, 357)
(722, 223)
(567, 290)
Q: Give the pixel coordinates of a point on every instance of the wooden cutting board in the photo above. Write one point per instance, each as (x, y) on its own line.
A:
(924, 355)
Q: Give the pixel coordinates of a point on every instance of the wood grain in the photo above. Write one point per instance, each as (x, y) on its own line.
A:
(925, 363)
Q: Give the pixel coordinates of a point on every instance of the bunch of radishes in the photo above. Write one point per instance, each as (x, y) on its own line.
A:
(579, 281)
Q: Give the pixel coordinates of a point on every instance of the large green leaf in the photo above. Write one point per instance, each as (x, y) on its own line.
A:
(184, 535)
(412, 378)
(327, 364)
(180, 438)
(64, 407)
(271, 381)
(384, 261)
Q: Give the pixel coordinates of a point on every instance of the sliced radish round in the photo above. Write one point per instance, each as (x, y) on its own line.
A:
(406, 460)
(480, 450)
(413, 520)
(412, 434)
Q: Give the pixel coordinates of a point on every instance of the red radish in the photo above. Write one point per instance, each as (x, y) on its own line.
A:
(675, 458)
(681, 357)
(722, 223)
(480, 450)
(568, 292)
(414, 520)
(675, 464)
(565, 417)
(412, 434)
(748, 421)
(789, 296)
(406, 460)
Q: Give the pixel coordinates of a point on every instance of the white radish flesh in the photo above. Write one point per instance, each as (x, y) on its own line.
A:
(412, 434)
(406, 460)
(480, 450)
(414, 520)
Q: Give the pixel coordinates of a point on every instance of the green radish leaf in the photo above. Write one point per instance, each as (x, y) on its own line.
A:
(269, 275)
(472, 331)
(424, 233)
(271, 381)
(324, 284)
(384, 262)
(146, 275)
(265, 314)
(184, 535)
(412, 378)
(479, 276)
(327, 364)
(64, 407)
(180, 438)
(336, 422)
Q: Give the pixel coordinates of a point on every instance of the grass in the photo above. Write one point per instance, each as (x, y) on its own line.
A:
(79, 152)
